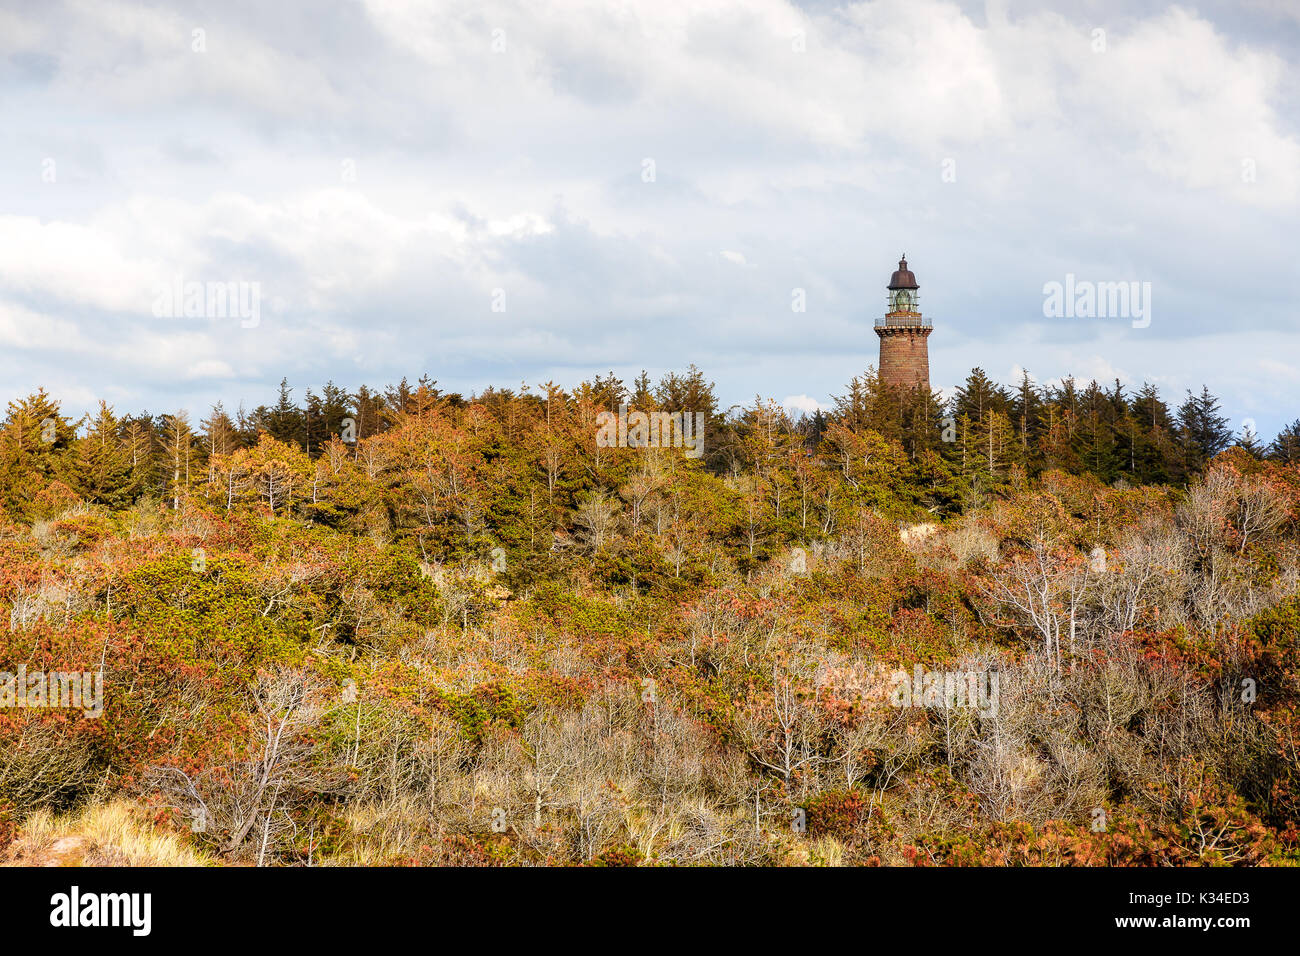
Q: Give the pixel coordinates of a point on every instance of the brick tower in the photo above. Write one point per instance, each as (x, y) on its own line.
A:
(904, 354)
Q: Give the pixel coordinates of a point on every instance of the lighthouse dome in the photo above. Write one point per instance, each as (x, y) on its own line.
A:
(902, 277)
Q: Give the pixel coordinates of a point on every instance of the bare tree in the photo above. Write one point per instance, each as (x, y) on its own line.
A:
(244, 805)
(1045, 590)
(597, 518)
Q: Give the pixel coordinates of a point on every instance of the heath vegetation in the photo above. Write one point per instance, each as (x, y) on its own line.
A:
(404, 626)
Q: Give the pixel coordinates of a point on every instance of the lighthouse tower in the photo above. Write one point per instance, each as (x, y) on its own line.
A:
(904, 354)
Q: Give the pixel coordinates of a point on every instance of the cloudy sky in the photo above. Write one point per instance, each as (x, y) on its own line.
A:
(497, 192)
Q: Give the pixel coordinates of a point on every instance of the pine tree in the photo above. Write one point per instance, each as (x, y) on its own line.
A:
(399, 397)
(178, 453)
(1248, 440)
(314, 434)
(978, 396)
(1286, 446)
(1027, 419)
(693, 393)
(100, 465)
(428, 396)
(814, 429)
(688, 393)
(1066, 398)
(608, 392)
(140, 440)
(1155, 454)
(643, 398)
(285, 422)
(998, 444)
(219, 434)
(1095, 438)
(33, 447)
(247, 425)
(922, 422)
(1202, 430)
(854, 411)
(325, 415)
(372, 413)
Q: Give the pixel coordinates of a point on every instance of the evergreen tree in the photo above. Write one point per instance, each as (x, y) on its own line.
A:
(1027, 419)
(980, 410)
(247, 425)
(285, 422)
(813, 427)
(140, 441)
(314, 434)
(371, 416)
(1248, 440)
(219, 434)
(428, 396)
(998, 445)
(693, 393)
(856, 411)
(33, 445)
(642, 397)
(1154, 453)
(399, 396)
(178, 454)
(325, 415)
(978, 396)
(1286, 447)
(1095, 438)
(1066, 398)
(1202, 430)
(688, 393)
(100, 465)
(1059, 443)
(606, 392)
(921, 422)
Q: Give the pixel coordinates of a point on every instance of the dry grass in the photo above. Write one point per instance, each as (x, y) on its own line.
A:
(970, 540)
(109, 834)
(381, 832)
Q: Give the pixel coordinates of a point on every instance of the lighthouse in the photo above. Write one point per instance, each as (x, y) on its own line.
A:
(904, 352)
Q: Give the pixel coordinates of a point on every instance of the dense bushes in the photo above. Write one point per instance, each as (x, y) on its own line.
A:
(474, 637)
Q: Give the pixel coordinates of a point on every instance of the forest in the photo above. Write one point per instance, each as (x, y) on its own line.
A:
(408, 626)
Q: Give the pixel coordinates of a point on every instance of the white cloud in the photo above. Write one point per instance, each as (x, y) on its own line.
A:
(379, 169)
(803, 403)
